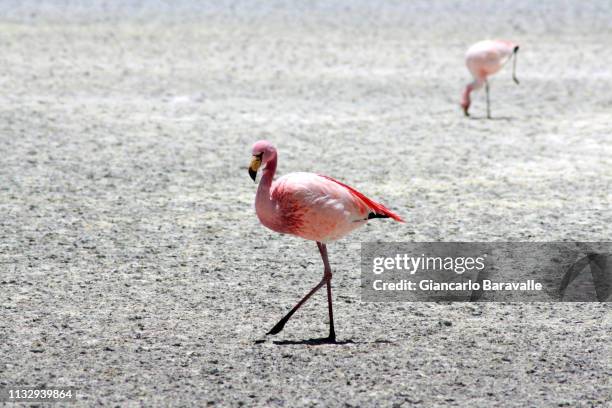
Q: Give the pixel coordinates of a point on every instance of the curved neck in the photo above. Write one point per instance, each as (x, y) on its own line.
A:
(268, 174)
(465, 98)
(265, 208)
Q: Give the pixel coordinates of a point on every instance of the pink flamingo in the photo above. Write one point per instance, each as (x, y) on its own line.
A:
(483, 59)
(313, 207)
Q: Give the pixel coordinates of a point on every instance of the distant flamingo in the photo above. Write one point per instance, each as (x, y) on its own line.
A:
(313, 207)
(483, 59)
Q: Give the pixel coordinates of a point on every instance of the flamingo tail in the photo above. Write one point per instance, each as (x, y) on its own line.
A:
(380, 211)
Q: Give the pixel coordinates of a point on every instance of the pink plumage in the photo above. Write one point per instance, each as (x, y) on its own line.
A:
(483, 59)
(309, 205)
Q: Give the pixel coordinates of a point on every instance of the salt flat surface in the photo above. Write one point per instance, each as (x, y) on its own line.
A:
(133, 266)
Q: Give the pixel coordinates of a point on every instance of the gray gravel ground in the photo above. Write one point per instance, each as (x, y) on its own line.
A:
(133, 266)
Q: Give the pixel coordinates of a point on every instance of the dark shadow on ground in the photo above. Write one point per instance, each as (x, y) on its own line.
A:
(500, 118)
(321, 341)
(313, 342)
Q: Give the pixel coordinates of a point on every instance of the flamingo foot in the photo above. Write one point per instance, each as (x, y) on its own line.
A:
(332, 334)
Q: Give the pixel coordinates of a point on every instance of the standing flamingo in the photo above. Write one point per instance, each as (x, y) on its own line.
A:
(483, 59)
(313, 207)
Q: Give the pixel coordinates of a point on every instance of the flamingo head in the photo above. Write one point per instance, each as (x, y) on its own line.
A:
(263, 152)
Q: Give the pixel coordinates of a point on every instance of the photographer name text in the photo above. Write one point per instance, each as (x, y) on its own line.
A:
(430, 285)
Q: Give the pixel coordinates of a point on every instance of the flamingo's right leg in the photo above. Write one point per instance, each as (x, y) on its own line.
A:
(488, 100)
(327, 276)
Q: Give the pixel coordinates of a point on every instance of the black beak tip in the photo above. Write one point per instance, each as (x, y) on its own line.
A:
(253, 174)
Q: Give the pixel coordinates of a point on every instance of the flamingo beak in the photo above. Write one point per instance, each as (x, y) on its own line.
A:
(255, 164)
(465, 110)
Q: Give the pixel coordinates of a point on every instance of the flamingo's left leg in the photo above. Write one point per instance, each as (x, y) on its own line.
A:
(278, 327)
(488, 100)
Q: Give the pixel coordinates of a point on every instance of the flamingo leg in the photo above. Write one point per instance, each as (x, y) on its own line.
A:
(514, 56)
(327, 275)
(488, 100)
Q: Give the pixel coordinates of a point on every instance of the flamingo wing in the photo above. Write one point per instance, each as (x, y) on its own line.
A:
(320, 208)
(487, 57)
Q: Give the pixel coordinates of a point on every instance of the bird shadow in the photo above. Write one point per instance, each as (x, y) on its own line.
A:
(320, 342)
(498, 118)
(313, 342)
